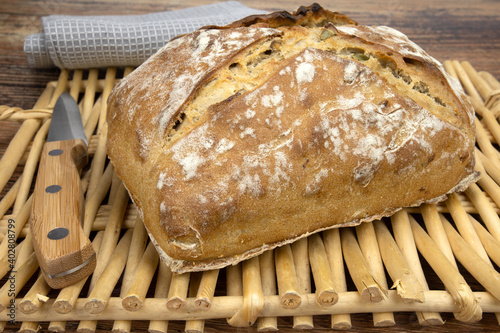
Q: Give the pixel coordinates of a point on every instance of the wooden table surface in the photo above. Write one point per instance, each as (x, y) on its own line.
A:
(460, 29)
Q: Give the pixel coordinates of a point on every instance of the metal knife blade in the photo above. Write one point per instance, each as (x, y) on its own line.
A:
(63, 250)
(66, 122)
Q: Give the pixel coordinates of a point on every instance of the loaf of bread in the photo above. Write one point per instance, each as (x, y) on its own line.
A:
(237, 139)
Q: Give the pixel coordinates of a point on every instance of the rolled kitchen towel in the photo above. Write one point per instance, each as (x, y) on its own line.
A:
(126, 40)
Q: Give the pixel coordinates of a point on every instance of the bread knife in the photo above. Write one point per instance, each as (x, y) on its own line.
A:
(63, 250)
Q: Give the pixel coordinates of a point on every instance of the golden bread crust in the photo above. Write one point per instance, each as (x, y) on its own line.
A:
(234, 140)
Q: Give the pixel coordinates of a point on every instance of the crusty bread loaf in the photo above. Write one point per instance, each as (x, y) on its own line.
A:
(234, 140)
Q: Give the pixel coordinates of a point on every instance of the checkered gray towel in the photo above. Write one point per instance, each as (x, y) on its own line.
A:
(101, 41)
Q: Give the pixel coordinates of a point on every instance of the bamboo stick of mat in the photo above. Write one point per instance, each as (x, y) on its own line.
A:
(89, 95)
(85, 82)
(57, 326)
(234, 274)
(438, 234)
(491, 245)
(128, 70)
(98, 162)
(302, 270)
(135, 253)
(492, 81)
(478, 82)
(93, 144)
(143, 276)
(104, 287)
(6, 262)
(85, 326)
(18, 114)
(253, 298)
(111, 233)
(25, 252)
(469, 206)
(484, 93)
(94, 201)
(481, 270)
(449, 252)
(489, 217)
(492, 169)
(407, 284)
(90, 125)
(460, 74)
(75, 85)
(457, 71)
(31, 166)
(35, 297)
(178, 291)
(488, 132)
(16, 256)
(487, 118)
(18, 224)
(481, 250)
(368, 287)
(163, 281)
(227, 306)
(90, 325)
(488, 185)
(484, 142)
(478, 228)
(326, 295)
(333, 247)
(369, 247)
(60, 86)
(29, 327)
(479, 167)
(68, 296)
(16, 280)
(235, 288)
(22, 138)
(7, 202)
(194, 325)
(288, 285)
(492, 101)
(268, 275)
(468, 307)
(464, 226)
(404, 239)
(109, 83)
(16, 149)
(206, 289)
(116, 183)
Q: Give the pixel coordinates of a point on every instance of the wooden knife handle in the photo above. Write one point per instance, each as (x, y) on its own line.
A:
(64, 252)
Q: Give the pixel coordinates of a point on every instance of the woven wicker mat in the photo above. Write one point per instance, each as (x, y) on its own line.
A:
(429, 260)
